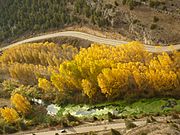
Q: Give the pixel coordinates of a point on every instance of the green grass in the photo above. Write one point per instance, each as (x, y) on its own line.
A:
(124, 109)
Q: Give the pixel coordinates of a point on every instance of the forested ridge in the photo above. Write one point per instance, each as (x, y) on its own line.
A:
(19, 17)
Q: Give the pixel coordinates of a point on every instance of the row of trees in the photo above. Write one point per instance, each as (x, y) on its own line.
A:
(45, 54)
(117, 72)
(99, 72)
(26, 63)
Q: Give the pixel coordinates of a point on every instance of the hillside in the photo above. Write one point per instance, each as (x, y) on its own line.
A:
(105, 67)
(150, 21)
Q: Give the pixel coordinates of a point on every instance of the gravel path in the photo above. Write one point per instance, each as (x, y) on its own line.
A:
(91, 38)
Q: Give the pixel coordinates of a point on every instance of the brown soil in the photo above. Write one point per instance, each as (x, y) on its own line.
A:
(4, 102)
(167, 127)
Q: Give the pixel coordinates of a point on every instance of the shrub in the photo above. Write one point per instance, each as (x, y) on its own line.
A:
(109, 6)
(28, 91)
(154, 3)
(22, 125)
(155, 19)
(153, 26)
(10, 129)
(10, 115)
(21, 103)
(38, 115)
(7, 88)
(135, 21)
(69, 120)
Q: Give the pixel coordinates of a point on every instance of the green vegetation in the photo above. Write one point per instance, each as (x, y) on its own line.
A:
(72, 115)
(123, 109)
(21, 17)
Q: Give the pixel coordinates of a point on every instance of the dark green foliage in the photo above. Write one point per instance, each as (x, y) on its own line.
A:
(22, 125)
(71, 118)
(19, 16)
(68, 120)
(110, 116)
(32, 16)
(10, 129)
(95, 118)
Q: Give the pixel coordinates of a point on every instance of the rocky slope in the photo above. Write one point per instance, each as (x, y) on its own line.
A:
(143, 20)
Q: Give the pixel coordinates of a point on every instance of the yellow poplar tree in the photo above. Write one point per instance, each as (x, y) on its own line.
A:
(88, 88)
(9, 114)
(114, 82)
(44, 84)
(21, 103)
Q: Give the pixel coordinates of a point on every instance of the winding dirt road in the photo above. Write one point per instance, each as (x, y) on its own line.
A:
(91, 38)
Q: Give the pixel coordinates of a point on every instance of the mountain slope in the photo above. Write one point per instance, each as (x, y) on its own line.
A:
(150, 21)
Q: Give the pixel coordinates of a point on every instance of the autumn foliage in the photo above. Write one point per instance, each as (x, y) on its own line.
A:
(21, 103)
(9, 114)
(118, 71)
(96, 73)
(28, 62)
